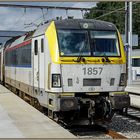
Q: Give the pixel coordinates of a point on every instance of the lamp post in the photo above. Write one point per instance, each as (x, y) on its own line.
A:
(128, 38)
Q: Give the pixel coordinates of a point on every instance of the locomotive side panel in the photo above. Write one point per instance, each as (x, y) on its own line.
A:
(18, 65)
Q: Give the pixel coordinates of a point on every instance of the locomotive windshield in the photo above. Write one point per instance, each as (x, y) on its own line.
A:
(72, 42)
(88, 43)
(104, 43)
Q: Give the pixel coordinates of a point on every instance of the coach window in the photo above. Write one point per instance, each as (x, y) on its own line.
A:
(136, 62)
(42, 45)
(36, 47)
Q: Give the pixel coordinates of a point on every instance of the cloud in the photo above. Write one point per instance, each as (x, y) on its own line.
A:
(84, 4)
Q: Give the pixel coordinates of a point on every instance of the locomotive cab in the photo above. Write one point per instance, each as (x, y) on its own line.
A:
(88, 69)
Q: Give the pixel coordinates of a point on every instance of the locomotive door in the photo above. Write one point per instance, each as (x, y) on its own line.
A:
(35, 65)
(38, 64)
(41, 64)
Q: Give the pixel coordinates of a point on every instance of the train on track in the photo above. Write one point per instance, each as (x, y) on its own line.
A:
(136, 66)
(134, 87)
(74, 69)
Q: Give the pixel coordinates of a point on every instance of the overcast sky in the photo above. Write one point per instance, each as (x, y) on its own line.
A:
(18, 19)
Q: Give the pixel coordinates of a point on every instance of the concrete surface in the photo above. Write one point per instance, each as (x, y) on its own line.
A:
(20, 120)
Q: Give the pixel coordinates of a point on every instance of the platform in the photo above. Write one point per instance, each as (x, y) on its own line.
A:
(18, 119)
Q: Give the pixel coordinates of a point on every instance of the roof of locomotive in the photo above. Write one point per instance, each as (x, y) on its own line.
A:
(41, 29)
(66, 24)
(80, 23)
(77, 24)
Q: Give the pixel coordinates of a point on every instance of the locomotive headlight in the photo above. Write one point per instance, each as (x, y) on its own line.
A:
(56, 80)
(68, 103)
(122, 79)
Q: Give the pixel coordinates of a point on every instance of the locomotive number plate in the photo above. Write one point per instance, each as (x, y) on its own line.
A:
(92, 71)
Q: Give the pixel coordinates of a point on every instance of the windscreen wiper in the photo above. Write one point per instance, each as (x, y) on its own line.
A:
(105, 59)
(80, 58)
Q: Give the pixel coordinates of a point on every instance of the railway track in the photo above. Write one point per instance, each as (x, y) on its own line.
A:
(133, 113)
(115, 135)
(94, 131)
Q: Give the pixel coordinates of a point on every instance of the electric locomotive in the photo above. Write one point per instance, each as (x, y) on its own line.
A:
(73, 68)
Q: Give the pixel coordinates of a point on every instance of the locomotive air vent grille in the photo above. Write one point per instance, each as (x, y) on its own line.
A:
(70, 82)
(92, 82)
(112, 81)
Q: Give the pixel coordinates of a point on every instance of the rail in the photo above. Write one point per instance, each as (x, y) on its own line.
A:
(115, 135)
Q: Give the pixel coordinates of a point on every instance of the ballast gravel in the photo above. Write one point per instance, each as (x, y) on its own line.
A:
(126, 126)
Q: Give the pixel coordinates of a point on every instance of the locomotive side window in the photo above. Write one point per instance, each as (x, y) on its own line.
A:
(36, 47)
(7, 56)
(42, 45)
(10, 58)
(24, 56)
(19, 57)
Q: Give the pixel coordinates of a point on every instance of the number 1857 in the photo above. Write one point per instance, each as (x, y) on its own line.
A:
(92, 71)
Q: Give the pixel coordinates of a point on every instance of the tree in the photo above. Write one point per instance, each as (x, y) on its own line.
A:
(117, 17)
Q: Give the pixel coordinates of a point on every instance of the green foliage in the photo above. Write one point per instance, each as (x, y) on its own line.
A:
(118, 17)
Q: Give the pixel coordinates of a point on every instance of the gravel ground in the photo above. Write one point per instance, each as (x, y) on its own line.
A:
(125, 126)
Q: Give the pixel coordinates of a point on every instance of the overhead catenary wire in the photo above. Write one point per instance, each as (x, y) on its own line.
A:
(38, 18)
(17, 21)
(43, 14)
(33, 22)
(66, 8)
(44, 7)
(25, 17)
(95, 10)
(116, 10)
